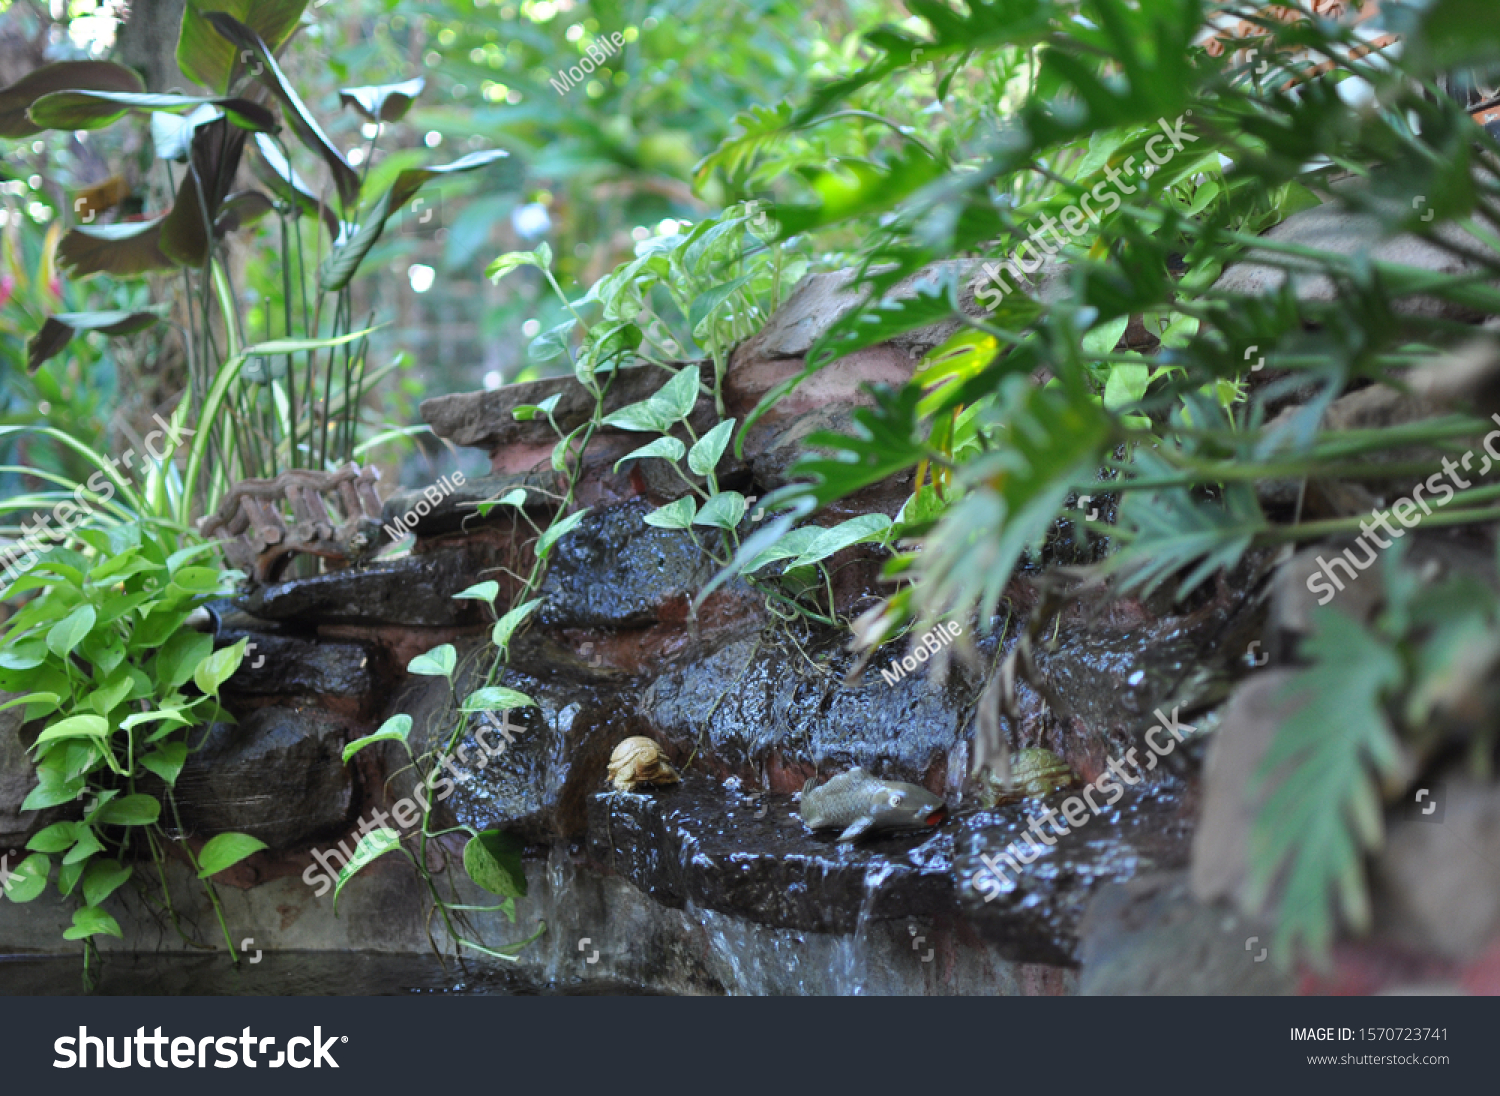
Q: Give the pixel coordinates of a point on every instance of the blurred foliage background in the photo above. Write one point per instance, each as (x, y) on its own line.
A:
(592, 170)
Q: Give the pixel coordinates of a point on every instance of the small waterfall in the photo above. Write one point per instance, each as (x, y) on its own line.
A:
(852, 970)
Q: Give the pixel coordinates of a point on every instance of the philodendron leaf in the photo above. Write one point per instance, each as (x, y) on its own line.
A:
(131, 810)
(339, 268)
(219, 667)
(394, 729)
(438, 662)
(383, 102)
(493, 861)
(557, 530)
(856, 530)
(68, 632)
(667, 448)
(16, 99)
(372, 846)
(511, 260)
(75, 726)
(208, 58)
(101, 879)
(225, 850)
(674, 515)
(57, 331)
(167, 761)
(721, 511)
(29, 879)
(678, 396)
(496, 698)
(506, 626)
(482, 591)
(703, 458)
(92, 921)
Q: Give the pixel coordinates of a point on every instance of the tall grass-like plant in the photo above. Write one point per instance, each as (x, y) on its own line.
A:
(292, 399)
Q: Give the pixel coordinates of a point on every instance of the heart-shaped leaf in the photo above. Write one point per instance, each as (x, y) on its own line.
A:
(225, 850)
(482, 591)
(722, 511)
(372, 846)
(438, 662)
(101, 879)
(493, 861)
(497, 698)
(92, 921)
(394, 729)
(674, 515)
(29, 879)
(131, 810)
(704, 456)
(668, 448)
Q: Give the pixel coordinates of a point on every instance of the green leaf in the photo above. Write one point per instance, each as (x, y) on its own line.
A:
(47, 700)
(166, 761)
(53, 789)
(180, 656)
(88, 844)
(76, 726)
(721, 511)
(92, 921)
(706, 303)
(371, 847)
(667, 448)
(219, 667)
(68, 633)
(55, 838)
(506, 626)
(225, 850)
(646, 417)
(493, 861)
(1321, 806)
(438, 662)
(29, 878)
(516, 498)
(674, 515)
(17, 99)
(486, 592)
(557, 530)
(511, 260)
(496, 698)
(208, 59)
(131, 810)
(704, 457)
(383, 102)
(858, 530)
(101, 879)
(789, 546)
(394, 729)
(678, 396)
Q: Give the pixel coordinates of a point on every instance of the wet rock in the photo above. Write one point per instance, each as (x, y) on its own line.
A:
(415, 591)
(279, 665)
(1343, 232)
(543, 762)
(278, 775)
(17, 778)
(767, 707)
(1148, 937)
(615, 571)
(1035, 909)
(1436, 884)
(698, 843)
